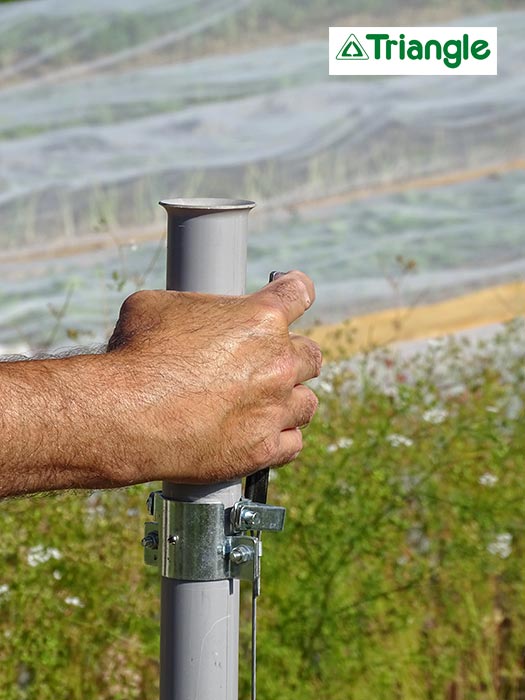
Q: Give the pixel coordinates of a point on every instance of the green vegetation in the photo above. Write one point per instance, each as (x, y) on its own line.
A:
(400, 571)
(399, 574)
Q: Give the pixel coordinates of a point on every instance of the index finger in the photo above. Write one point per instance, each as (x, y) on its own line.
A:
(293, 293)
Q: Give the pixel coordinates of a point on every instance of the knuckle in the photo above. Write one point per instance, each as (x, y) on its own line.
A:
(285, 371)
(133, 318)
(136, 302)
(290, 289)
(303, 282)
(278, 371)
(300, 276)
(270, 314)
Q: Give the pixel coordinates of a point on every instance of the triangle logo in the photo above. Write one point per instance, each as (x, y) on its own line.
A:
(352, 50)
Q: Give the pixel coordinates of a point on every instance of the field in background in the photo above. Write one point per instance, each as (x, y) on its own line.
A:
(106, 108)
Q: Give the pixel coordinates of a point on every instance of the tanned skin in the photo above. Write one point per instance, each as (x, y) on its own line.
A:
(194, 388)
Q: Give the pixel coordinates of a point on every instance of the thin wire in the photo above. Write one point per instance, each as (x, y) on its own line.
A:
(254, 642)
(256, 589)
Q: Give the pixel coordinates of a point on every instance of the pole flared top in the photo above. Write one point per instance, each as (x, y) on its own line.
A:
(206, 205)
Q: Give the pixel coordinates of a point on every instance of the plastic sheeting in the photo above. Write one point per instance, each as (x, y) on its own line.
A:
(96, 122)
(107, 107)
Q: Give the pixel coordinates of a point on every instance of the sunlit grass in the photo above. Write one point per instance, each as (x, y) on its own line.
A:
(399, 573)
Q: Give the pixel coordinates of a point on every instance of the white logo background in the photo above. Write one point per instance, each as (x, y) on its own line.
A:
(396, 66)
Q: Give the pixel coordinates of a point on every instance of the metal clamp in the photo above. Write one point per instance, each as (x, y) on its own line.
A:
(204, 541)
(248, 515)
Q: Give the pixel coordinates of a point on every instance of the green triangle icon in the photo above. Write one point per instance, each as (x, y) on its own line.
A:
(352, 50)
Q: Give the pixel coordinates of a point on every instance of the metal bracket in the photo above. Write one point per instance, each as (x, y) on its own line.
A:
(244, 557)
(249, 515)
(204, 541)
(150, 542)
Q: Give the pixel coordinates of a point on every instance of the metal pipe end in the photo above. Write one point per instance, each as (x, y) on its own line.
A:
(207, 204)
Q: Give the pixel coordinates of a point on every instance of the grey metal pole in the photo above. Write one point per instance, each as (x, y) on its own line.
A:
(200, 619)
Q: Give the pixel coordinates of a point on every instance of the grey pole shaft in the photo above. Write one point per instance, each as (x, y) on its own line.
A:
(199, 629)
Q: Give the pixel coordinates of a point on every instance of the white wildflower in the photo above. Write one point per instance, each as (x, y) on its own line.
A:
(417, 539)
(428, 397)
(340, 444)
(409, 482)
(435, 415)
(514, 408)
(397, 440)
(501, 546)
(73, 600)
(454, 390)
(344, 487)
(488, 479)
(57, 575)
(96, 511)
(40, 555)
(324, 386)
(492, 409)
(392, 392)
(94, 508)
(132, 512)
(4, 589)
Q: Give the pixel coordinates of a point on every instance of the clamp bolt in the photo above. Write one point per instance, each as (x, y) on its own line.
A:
(249, 518)
(241, 554)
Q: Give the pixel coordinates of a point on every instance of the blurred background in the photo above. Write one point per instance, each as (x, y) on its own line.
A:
(400, 571)
(108, 107)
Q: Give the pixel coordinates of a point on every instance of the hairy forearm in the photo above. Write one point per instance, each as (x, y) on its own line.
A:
(57, 430)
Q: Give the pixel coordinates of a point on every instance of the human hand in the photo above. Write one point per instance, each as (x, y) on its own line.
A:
(213, 387)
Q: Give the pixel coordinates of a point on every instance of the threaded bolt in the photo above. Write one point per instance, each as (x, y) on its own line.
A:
(249, 518)
(241, 554)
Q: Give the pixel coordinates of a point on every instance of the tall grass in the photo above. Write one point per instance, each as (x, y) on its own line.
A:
(399, 573)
